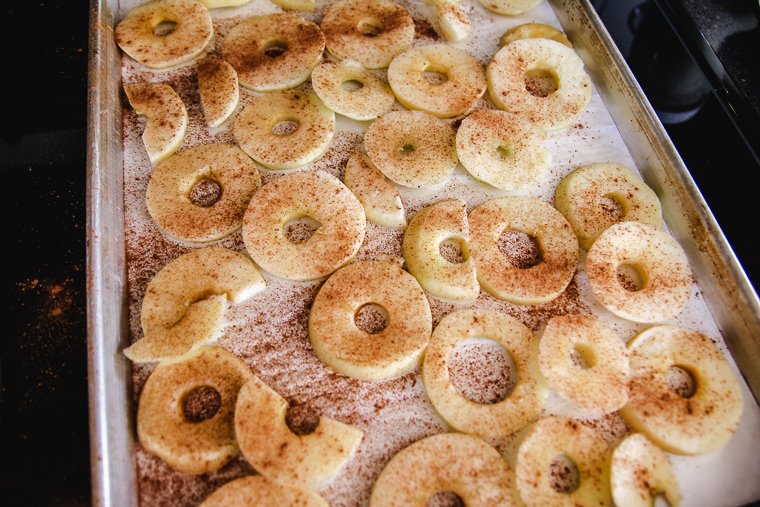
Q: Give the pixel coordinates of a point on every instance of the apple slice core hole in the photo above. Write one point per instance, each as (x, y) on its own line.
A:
(583, 357)
(301, 419)
(164, 28)
(445, 499)
(632, 277)
(681, 381)
(201, 403)
(371, 318)
(285, 127)
(522, 250)
(205, 193)
(612, 206)
(563, 474)
(453, 250)
(275, 48)
(541, 82)
(482, 370)
(300, 230)
(370, 27)
(352, 85)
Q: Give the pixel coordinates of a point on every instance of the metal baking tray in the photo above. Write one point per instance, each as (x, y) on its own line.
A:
(729, 295)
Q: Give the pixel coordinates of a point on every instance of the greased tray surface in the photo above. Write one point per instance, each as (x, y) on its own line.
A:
(269, 332)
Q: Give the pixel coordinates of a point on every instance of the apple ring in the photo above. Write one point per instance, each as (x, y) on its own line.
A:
(509, 7)
(166, 114)
(256, 129)
(412, 148)
(640, 471)
(192, 31)
(421, 248)
(218, 89)
(534, 31)
(273, 51)
(465, 80)
(185, 302)
(371, 32)
(655, 256)
(258, 491)
(601, 385)
(540, 79)
(319, 196)
(699, 423)
(502, 149)
(279, 454)
(453, 462)
(581, 195)
(344, 347)
(585, 448)
(168, 195)
(557, 244)
(373, 98)
(199, 444)
(520, 408)
(380, 198)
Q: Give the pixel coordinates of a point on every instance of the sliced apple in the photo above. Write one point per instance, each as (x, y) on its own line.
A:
(557, 245)
(443, 221)
(690, 421)
(533, 31)
(509, 7)
(502, 149)
(185, 302)
(219, 90)
(297, 5)
(214, 4)
(322, 198)
(257, 490)
(177, 417)
(564, 463)
(283, 130)
(627, 252)
(454, 23)
(370, 32)
(639, 471)
(438, 79)
(274, 51)
(524, 403)
(595, 196)
(412, 148)
(282, 455)
(451, 462)
(167, 117)
(351, 90)
(382, 353)
(140, 36)
(380, 198)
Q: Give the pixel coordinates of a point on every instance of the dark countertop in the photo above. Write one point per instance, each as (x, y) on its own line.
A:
(43, 391)
(43, 355)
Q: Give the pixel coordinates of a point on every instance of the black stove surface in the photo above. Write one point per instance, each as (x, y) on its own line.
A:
(43, 391)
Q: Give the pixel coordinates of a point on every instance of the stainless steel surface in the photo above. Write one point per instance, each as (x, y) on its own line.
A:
(727, 291)
(109, 374)
(729, 295)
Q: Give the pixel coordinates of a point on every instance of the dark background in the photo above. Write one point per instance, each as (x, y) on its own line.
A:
(43, 391)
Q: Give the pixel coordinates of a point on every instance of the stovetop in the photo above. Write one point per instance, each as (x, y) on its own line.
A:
(43, 391)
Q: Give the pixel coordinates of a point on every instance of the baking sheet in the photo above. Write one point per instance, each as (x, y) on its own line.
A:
(723, 478)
